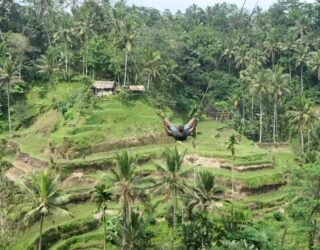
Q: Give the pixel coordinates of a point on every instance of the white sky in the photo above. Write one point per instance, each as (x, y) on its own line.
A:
(175, 5)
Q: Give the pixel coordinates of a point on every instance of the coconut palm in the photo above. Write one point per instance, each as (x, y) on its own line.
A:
(301, 58)
(101, 196)
(303, 117)
(232, 142)
(241, 56)
(271, 46)
(129, 32)
(44, 199)
(288, 46)
(124, 182)
(152, 64)
(278, 89)
(47, 63)
(260, 87)
(228, 52)
(64, 35)
(133, 233)
(172, 181)
(314, 62)
(205, 191)
(8, 76)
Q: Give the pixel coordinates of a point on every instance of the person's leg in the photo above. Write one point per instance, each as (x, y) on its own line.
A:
(191, 123)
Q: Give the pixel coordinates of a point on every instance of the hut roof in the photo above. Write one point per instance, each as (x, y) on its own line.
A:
(139, 88)
(103, 84)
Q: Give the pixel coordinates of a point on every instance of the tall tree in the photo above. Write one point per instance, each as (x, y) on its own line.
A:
(302, 117)
(19, 45)
(301, 57)
(101, 196)
(129, 33)
(152, 64)
(172, 181)
(8, 76)
(44, 199)
(271, 46)
(278, 89)
(232, 142)
(260, 87)
(314, 62)
(287, 47)
(124, 178)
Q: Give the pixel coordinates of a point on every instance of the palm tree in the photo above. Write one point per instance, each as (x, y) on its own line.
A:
(47, 63)
(271, 46)
(314, 62)
(172, 180)
(304, 116)
(278, 89)
(8, 76)
(205, 191)
(124, 182)
(101, 196)
(44, 199)
(228, 52)
(260, 88)
(241, 57)
(64, 35)
(301, 58)
(288, 46)
(134, 232)
(232, 142)
(129, 33)
(152, 59)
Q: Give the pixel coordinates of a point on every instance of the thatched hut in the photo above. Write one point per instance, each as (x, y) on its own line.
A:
(137, 89)
(103, 88)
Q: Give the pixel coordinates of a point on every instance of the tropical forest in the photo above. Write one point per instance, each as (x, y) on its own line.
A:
(128, 127)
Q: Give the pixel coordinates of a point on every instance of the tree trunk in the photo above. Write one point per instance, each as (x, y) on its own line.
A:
(229, 67)
(274, 122)
(284, 236)
(19, 71)
(301, 77)
(174, 217)
(290, 70)
(252, 103)
(83, 66)
(9, 112)
(260, 132)
(312, 234)
(308, 139)
(125, 69)
(243, 109)
(1, 35)
(149, 77)
(41, 227)
(66, 57)
(302, 140)
(2, 230)
(104, 227)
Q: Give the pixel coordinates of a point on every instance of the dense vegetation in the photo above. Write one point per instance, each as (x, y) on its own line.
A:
(262, 68)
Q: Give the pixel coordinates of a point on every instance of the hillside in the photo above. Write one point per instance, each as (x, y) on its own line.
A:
(111, 125)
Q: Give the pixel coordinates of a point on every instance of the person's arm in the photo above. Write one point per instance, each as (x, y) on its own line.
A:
(167, 124)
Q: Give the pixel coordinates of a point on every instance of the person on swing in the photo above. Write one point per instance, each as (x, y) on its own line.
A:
(183, 131)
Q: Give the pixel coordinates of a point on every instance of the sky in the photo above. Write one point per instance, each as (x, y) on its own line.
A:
(175, 5)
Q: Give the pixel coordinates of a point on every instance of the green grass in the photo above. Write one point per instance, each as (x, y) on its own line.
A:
(79, 211)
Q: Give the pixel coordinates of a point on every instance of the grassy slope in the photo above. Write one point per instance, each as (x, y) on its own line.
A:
(111, 120)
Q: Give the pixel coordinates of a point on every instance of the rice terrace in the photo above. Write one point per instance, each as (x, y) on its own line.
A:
(175, 125)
